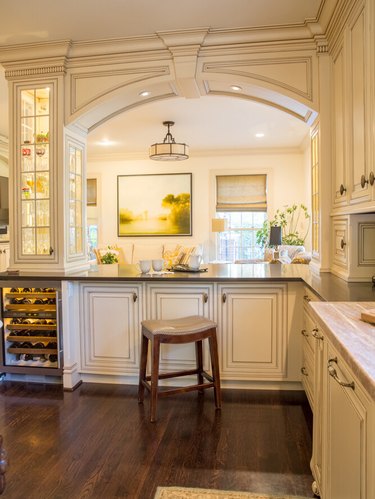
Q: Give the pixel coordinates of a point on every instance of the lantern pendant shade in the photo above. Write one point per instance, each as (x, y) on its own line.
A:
(169, 149)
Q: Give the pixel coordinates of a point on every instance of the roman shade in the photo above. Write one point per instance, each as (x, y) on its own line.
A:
(241, 193)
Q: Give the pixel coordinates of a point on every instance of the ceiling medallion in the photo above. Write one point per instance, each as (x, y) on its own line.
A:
(169, 150)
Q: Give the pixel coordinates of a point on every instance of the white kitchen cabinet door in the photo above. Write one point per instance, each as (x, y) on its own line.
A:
(110, 328)
(253, 331)
(348, 437)
(172, 302)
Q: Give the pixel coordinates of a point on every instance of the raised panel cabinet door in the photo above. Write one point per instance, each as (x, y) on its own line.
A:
(340, 246)
(339, 175)
(110, 328)
(172, 302)
(359, 118)
(253, 332)
(346, 438)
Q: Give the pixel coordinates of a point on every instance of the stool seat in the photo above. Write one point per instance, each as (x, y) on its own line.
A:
(184, 325)
(192, 329)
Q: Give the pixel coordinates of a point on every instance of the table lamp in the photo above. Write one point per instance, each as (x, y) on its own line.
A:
(275, 240)
(218, 225)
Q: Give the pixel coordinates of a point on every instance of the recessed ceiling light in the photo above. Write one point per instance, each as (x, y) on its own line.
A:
(236, 88)
(106, 142)
(145, 93)
(259, 135)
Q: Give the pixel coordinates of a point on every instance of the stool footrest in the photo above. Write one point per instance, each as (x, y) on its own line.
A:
(182, 389)
(176, 374)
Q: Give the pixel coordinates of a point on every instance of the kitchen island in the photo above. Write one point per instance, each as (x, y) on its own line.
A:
(258, 308)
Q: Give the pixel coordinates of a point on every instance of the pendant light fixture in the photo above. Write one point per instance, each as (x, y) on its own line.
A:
(169, 150)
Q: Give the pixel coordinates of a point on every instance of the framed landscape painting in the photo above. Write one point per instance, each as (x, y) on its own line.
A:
(154, 205)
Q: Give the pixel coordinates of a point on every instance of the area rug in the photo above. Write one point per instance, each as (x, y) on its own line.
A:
(188, 493)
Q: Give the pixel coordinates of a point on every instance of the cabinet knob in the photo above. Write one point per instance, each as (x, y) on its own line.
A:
(332, 372)
(224, 298)
(342, 189)
(304, 333)
(342, 244)
(50, 250)
(205, 297)
(307, 298)
(304, 371)
(363, 181)
(317, 335)
(135, 297)
(371, 178)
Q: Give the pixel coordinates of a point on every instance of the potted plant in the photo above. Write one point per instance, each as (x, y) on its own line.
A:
(109, 256)
(289, 220)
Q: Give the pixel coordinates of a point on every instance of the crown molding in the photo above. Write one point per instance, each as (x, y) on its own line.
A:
(23, 53)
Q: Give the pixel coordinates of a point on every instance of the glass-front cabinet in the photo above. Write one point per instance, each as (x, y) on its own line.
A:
(35, 172)
(76, 235)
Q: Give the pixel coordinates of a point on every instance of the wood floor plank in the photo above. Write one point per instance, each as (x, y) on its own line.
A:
(97, 442)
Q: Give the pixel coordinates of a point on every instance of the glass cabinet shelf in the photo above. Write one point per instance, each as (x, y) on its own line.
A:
(35, 160)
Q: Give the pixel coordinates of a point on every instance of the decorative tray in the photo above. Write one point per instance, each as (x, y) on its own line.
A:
(186, 268)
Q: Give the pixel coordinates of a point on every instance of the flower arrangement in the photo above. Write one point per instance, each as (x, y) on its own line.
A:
(41, 137)
(289, 220)
(109, 256)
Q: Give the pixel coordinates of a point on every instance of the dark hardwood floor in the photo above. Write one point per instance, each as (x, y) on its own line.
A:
(97, 442)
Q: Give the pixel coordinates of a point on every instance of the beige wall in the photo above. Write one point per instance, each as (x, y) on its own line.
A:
(287, 184)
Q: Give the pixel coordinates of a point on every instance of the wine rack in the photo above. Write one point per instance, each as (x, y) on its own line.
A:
(31, 337)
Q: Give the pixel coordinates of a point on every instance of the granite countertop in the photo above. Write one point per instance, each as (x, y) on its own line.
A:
(353, 338)
(326, 286)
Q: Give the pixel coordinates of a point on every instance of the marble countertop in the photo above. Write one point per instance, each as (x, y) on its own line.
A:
(326, 286)
(353, 338)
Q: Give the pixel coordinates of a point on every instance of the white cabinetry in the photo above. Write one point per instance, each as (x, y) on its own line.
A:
(349, 433)
(170, 301)
(256, 341)
(312, 382)
(110, 328)
(4, 256)
(353, 247)
(353, 112)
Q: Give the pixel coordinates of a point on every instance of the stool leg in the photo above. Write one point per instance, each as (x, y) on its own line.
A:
(215, 369)
(154, 378)
(142, 368)
(199, 357)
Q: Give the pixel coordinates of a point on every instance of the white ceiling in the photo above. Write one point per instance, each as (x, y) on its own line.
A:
(210, 123)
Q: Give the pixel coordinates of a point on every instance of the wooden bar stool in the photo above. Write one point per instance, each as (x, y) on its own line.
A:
(192, 329)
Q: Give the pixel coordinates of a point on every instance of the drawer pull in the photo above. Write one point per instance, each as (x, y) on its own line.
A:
(205, 297)
(371, 178)
(342, 244)
(317, 335)
(332, 372)
(304, 371)
(307, 298)
(342, 190)
(363, 181)
(304, 333)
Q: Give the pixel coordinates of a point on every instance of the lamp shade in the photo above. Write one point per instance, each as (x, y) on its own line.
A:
(275, 236)
(219, 224)
(169, 149)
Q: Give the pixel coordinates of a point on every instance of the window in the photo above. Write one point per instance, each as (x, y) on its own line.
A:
(242, 201)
